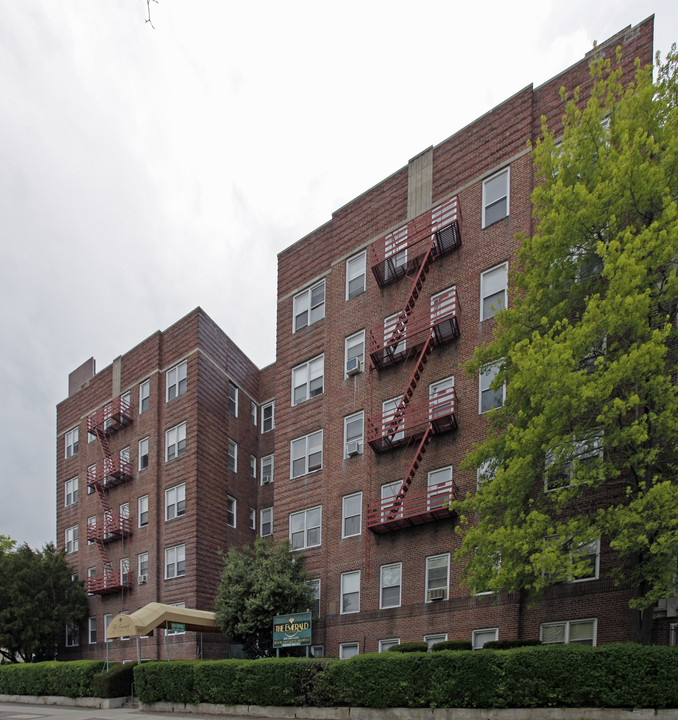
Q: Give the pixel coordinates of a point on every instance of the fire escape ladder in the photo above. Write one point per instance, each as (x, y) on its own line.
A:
(412, 471)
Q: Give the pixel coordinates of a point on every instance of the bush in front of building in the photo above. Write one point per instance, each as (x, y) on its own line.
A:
(508, 644)
(68, 679)
(407, 647)
(167, 681)
(116, 682)
(452, 645)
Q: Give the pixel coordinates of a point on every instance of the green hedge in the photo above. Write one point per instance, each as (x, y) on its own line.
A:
(452, 645)
(69, 679)
(116, 682)
(407, 647)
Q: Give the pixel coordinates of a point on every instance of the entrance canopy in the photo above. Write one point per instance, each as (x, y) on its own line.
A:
(155, 614)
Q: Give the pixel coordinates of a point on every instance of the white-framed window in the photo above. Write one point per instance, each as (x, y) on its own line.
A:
(253, 519)
(351, 514)
(354, 354)
(143, 510)
(315, 586)
(306, 528)
(306, 454)
(71, 539)
(175, 501)
(309, 306)
(348, 650)
(266, 522)
(253, 466)
(71, 491)
(438, 487)
(389, 491)
(143, 454)
(390, 585)
(268, 417)
(317, 651)
(399, 347)
(584, 454)
(124, 510)
(582, 632)
(387, 644)
(231, 509)
(124, 458)
(232, 456)
(142, 568)
(92, 630)
(431, 640)
(72, 635)
(176, 380)
(353, 434)
(124, 571)
(350, 592)
(91, 527)
(437, 577)
(496, 197)
(71, 440)
(233, 399)
(91, 476)
(394, 427)
(443, 304)
(489, 399)
(493, 284)
(308, 380)
(484, 635)
(253, 412)
(589, 555)
(355, 275)
(176, 628)
(144, 396)
(441, 398)
(267, 466)
(175, 441)
(175, 562)
(395, 252)
(91, 574)
(107, 621)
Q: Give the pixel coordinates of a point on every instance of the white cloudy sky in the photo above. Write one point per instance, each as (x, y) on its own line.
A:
(144, 172)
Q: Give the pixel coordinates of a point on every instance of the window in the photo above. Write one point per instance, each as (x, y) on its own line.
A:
(437, 577)
(305, 528)
(91, 575)
(392, 422)
(71, 539)
(348, 650)
(480, 637)
(142, 566)
(92, 630)
(72, 636)
(144, 396)
(308, 380)
(231, 506)
(124, 510)
(443, 305)
(441, 398)
(175, 442)
(176, 380)
(266, 522)
(350, 592)
(355, 275)
(586, 557)
(71, 491)
(580, 458)
(71, 438)
(253, 412)
(124, 571)
(490, 399)
(353, 434)
(351, 510)
(317, 651)
(389, 493)
(253, 466)
(107, 621)
(309, 306)
(253, 519)
(91, 478)
(143, 454)
(143, 510)
(496, 197)
(176, 628)
(438, 487)
(431, 640)
(582, 632)
(175, 562)
(233, 399)
(175, 501)
(91, 529)
(395, 253)
(389, 585)
(385, 645)
(395, 342)
(267, 469)
(306, 454)
(493, 285)
(315, 587)
(232, 456)
(486, 472)
(268, 417)
(354, 354)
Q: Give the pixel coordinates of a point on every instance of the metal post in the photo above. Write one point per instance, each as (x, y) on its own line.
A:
(167, 638)
(138, 650)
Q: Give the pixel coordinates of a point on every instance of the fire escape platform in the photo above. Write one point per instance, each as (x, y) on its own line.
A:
(115, 527)
(415, 508)
(107, 585)
(114, 471)
(109, 419)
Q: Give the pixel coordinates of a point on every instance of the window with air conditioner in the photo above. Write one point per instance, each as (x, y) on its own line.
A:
(267, 469)
(142, 568)
(353, 434)
(354, 354)
(437, 577)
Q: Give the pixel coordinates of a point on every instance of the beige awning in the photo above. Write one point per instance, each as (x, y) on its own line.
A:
(156, 615)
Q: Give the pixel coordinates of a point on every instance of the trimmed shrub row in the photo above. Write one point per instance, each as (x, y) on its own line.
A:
(69, 679)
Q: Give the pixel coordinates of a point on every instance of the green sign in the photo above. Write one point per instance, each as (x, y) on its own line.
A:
(292, 630)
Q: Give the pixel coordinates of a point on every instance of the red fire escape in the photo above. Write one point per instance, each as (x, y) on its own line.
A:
(410, 251)
(101, 477)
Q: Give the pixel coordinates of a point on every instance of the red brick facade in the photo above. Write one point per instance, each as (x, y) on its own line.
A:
(313, 395)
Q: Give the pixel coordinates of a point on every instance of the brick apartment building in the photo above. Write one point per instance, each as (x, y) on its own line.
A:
(170, 453)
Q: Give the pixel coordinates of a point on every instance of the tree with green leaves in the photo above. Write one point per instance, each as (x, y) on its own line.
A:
(256, 584)
(39, 599)
(6, 543)
(583, 454)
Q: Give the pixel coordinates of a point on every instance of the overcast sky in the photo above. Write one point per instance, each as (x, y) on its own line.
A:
(144, 172)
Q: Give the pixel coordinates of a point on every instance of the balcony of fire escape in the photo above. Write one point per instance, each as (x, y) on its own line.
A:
(401, 252)
(110, 418)
(111, 472)
(114, 527)
(109, 583)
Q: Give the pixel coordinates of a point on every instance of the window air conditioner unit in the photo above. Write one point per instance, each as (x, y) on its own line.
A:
(265, 479)
(353, 366)
(436, 594)
(353, 448)
(143, 579)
